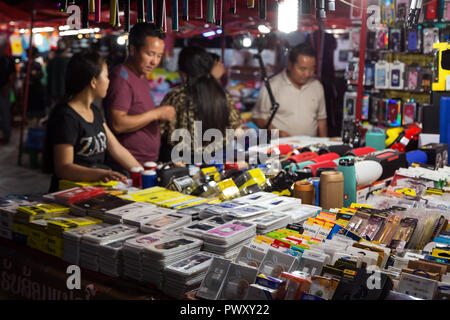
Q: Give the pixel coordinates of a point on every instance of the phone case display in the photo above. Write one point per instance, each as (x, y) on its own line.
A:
(351, 72)
(371, 41)
(365, 107)
(369, 74)
(374, 105)
(382, 38)
(430, 36)
(355, 10)
(397, 71)
(445, 11)
(396, 39)
(213, 282)
(275, 263)
(387, 12)
(412, 78)
(394, 113)
(237, 282)
(354, 36)
(409, 112)
(425, 79)
(382, 75)
(430, 9)
(349, 105)
(413, 40)
(402, 10)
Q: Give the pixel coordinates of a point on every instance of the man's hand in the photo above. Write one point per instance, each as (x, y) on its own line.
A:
(166, 113)
(283, 134)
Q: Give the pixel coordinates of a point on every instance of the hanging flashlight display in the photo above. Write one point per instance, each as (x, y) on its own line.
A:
(219, 4)
(199, 9)
(85, 15)
(232, 6)
(140, 11)
(98, 10)
(91, 6)
(320, 9)
(112, 12)
(185, 10)
(211, 13)
(150, 13)
(161, 23)
(117, 25)
(174, 15)
(127, 16)
(262, 7)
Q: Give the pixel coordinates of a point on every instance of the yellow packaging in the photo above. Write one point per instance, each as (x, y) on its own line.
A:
(211, 171)
(166, 198)
(228, 189)
(55, 242)
(191, 204)
(440, 74)
(263, 239)
(20, 228)
(66, 184)
(173, 203)
(41, 211)
(359, 205)
(36, 243)
(439, 253)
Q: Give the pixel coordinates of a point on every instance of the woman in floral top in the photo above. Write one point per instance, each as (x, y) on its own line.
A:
(200, 98)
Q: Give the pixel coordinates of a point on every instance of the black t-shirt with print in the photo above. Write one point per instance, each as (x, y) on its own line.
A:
(66, 126)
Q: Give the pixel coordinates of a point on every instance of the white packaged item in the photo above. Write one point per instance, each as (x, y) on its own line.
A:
(382, 72)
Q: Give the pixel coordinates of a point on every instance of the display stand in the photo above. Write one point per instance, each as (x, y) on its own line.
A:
(30, 274)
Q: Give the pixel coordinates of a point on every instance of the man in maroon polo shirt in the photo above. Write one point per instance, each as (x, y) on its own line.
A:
(129, 105)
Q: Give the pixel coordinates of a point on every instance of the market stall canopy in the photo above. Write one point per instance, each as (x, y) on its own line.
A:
(245, 19)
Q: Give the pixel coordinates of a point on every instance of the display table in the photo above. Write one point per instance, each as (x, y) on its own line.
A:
(30, 274)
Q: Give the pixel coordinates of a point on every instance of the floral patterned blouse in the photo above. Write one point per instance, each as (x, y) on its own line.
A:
(186, 115)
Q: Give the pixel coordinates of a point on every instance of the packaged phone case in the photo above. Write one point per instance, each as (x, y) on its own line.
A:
(403, 233)
(430, 36)
(413, 40)
(412, 78)
(395, 40)
(171, 246)
(237, 282)
(382, 38)
(409, 112)
(191, 265)
(351, 71)
(275, 263)
(402, 10)
(431, 10)
(446, 11)
(425, 78)
(212, 283)
(369, 74)
(249, 256)
(349, 104)
(382, 74)
(394, 113)
(388, 12)
(397, 73)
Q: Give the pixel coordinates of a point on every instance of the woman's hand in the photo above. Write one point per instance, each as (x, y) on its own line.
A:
(113, 176)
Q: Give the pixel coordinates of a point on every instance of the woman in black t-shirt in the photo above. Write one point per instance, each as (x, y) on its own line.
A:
(77, 136)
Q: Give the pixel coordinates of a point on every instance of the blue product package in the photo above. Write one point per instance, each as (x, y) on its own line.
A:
(444, 120)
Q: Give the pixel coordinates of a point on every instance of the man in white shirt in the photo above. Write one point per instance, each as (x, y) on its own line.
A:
(302, 110)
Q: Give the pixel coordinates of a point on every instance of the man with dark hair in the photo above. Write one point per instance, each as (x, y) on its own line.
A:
(7, 74)
(56, 70)
(302, 110)
(129, 104)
